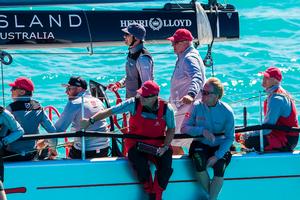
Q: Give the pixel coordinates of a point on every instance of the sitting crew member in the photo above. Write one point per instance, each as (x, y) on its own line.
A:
(149, 116)
(30, 114)
(10, 131)
(209, 118)
(72, 114)
(279, 109)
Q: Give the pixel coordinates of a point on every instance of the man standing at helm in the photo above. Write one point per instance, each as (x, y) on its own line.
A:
(187, 80)
(139, 65)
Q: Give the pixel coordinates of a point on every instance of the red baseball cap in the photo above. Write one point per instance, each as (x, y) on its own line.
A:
(23, 83)
(273, 72)
(181, 34)
(148, 88)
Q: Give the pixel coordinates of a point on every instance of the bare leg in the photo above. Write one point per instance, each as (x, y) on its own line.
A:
(2, 195)
(177, 150)
(204, 180)
(215, 187)
(2, 192)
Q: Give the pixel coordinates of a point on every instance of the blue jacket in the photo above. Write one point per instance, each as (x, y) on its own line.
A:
(30, 115)
(217, 119)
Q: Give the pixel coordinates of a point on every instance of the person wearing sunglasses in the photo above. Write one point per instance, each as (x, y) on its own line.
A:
(30, 115)
(95, 147)
(139, 65)
(279, 109)
(187, 80)
(152, 117)
(212, 121)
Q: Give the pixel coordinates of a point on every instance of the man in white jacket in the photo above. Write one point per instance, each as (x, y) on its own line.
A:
(187, 80)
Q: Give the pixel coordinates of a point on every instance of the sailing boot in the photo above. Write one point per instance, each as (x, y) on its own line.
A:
(148, 186)
(157, 189)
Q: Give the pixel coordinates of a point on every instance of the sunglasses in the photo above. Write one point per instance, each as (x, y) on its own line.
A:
(70, 88)
(126, 34)
(206, 93)
(15, 88)
(177, 42)
(148, 97)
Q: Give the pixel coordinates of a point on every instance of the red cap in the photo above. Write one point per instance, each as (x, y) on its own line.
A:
(273, 72)
(23, 83)
(148, 88)
(181, 34)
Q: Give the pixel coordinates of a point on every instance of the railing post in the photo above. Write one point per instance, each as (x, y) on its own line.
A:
(82, 138)
(261, 137)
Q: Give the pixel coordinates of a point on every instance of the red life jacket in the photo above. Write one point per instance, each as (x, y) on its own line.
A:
(139, 125)
(277, 138)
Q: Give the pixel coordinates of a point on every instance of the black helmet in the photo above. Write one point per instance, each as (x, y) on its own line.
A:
(136, 30)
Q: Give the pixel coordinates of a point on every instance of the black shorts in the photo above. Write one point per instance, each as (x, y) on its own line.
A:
(76, 154)
(200, 153)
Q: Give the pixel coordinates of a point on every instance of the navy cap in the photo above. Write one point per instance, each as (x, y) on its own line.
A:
(136, 30)
(76, 81)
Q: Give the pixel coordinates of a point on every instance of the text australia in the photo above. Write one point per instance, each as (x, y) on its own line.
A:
(22, 25)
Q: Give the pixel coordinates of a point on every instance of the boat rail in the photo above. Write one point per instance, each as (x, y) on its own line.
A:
(133, 136)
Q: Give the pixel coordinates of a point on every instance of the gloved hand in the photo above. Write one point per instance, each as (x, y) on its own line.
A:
(114, 86)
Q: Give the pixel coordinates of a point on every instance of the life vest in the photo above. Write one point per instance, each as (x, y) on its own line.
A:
(277, 139)
(133, 80)
(141, 126)
(25, 106)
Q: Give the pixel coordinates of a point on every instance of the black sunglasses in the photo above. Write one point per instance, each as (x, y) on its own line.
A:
(205, 92)
(70, 87)
(15, 88)
(150, 96)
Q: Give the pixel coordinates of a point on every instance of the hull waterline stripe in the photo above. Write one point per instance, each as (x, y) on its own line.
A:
(15, 190)
(177, 181)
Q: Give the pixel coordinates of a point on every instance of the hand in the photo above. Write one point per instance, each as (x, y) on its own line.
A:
(211, 161)
(52, 153)
(85, 123)
(41, 144)
(114, 86)
(162, 150)
(209, 136)
(187, 99)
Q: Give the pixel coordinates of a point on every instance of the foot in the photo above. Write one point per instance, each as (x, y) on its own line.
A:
(152, 196)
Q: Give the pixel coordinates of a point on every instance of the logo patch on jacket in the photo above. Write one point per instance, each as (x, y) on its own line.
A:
(157, 124)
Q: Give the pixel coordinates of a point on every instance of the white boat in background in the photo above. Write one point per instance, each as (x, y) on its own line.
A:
(250, 176)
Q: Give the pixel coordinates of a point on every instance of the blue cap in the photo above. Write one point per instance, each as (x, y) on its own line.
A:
(136, 30)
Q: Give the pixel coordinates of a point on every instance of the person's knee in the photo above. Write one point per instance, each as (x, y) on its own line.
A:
(199, 161)
(219, 168)
(163, 176)
(1, 186)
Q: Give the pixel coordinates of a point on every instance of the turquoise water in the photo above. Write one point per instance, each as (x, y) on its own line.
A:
(270, 32)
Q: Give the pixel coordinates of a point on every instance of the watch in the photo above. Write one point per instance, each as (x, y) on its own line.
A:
(92, 120)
